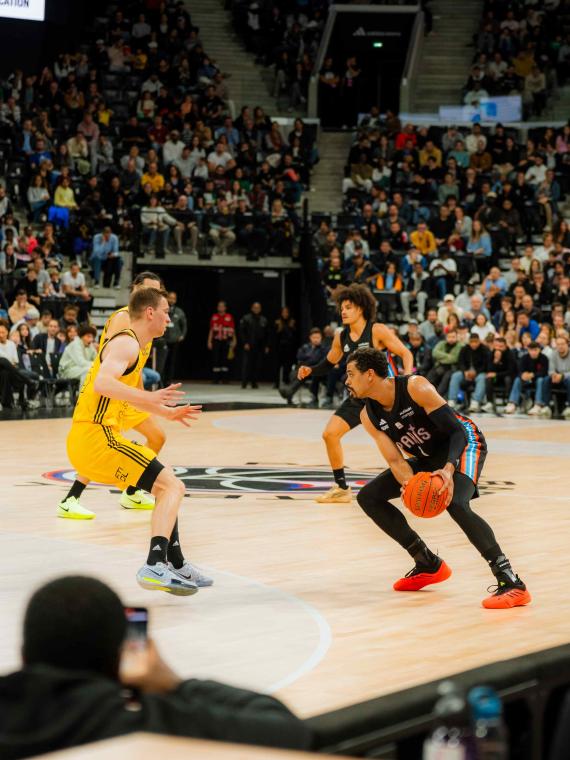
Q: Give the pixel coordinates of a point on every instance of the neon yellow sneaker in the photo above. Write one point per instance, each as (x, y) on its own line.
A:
(71, 509)
(138, 500)
(336, 495)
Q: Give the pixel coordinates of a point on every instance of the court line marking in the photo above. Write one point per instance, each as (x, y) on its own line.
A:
(324, 630)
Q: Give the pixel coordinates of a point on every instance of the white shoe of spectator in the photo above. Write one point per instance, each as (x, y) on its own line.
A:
(545, 411)
(566, 413)
(534, 411)
(474, 406)
(33, 403)
(488, 407)
(510, 408)
(452, 404)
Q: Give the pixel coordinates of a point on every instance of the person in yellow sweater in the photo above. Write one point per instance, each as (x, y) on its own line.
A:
(422, 239)
(430, 150)
(65, 195)
(153, 178)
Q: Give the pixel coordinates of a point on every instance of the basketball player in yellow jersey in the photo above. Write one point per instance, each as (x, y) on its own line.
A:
(131, 419)
(97, 448)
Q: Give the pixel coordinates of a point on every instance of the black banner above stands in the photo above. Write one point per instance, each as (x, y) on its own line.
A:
(379, 43)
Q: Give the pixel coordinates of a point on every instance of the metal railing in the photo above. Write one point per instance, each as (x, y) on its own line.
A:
(412, 65)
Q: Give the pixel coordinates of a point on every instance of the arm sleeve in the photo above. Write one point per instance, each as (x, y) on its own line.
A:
(446, 422)
(322, 368)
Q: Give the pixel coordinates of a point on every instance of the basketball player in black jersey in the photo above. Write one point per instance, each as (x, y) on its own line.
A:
(357, 308)
(406, 416)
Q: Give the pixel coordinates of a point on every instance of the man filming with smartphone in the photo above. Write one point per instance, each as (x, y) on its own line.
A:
(90, 673)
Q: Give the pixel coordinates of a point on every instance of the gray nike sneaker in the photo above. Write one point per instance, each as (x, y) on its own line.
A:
(159, 577)
(191, 573)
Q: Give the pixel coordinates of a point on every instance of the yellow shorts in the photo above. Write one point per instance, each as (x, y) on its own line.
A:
(103, 454)
(131, 418)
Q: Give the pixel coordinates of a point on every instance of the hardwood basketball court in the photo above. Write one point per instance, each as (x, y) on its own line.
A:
(302, 604)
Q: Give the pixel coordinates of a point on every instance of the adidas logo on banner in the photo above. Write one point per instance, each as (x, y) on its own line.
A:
(359, 32)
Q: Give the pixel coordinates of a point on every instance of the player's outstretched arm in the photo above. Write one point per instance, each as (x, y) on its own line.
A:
(324, 367)
(122, 353)
(385, 337)
(394, 459)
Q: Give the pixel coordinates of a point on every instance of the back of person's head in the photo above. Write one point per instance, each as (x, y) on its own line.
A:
(75, 623)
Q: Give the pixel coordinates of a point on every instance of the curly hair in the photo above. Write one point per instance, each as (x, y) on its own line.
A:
(369, 358)
(360, 296)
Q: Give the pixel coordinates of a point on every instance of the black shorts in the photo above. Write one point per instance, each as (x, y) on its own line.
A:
(349, 411)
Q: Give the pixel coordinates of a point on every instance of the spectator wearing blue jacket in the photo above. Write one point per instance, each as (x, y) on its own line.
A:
(106, 257)
(527, 325)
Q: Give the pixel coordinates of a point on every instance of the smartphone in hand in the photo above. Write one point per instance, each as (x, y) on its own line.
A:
(134, 657)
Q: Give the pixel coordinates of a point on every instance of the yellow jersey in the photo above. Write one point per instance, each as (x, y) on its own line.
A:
(146, 349)
(101, 410)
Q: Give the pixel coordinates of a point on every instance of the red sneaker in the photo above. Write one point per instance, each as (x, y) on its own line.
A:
(417, 578)
(507, 595)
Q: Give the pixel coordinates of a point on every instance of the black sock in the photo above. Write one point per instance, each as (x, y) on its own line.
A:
(175, 555)
(76, 490)
(502, 570)
(421, 554)
(340, 478)
(158, 549)
(131, 490)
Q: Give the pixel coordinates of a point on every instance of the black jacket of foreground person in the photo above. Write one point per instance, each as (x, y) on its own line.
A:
(79, 685)
(43, 709)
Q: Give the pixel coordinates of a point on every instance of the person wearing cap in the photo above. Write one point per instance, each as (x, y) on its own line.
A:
(358, 269)
(353, 239)
(474, 363)
(448, 307)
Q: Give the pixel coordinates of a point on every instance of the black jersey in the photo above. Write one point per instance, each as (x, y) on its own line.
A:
(409, 426)
(364, 340)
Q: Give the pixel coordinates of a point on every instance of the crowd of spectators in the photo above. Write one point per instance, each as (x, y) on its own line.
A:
(465, 256)
(132, 141)
(521, 49)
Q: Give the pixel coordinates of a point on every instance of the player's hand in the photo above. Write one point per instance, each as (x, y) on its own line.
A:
(184, 413)
(303, 372)
(168, 396)
(447, 485)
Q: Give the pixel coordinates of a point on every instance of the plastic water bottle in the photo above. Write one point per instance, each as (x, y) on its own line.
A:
(489, 730)
(451, 737)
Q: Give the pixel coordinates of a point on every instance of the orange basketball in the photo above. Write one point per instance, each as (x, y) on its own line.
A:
(421, 495)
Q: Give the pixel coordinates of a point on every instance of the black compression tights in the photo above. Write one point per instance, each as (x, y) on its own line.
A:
(374, 500)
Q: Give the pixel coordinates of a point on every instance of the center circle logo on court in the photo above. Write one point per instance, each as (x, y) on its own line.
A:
(248, 479)
(270, 480)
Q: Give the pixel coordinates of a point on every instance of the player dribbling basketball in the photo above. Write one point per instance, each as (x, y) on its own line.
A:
(406, 415)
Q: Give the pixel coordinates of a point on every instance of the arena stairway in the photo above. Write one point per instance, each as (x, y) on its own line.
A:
(447, 54)
(248, 85)
(326, 179)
